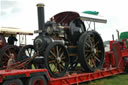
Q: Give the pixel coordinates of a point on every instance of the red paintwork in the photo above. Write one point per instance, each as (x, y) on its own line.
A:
(83, 77)
(27, 72)
(113, 64)
(64, 18)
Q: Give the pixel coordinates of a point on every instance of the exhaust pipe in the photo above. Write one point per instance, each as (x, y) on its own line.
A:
(112, 37)
(118, 34)
(41, 18)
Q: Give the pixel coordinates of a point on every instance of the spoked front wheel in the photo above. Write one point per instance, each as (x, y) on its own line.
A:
(56, 59)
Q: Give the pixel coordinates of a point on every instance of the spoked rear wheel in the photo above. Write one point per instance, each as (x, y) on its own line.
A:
(56, 59)
(91, 51)
(5, 54)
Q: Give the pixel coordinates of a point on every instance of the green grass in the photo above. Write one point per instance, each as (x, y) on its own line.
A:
(121, 79)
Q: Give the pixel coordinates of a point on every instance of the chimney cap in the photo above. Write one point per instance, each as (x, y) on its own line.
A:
(40, 5)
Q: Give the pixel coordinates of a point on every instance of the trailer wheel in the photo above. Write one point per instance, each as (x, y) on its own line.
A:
(26, 52)
(13, 82)
(56, 59)
(5, 52)
(91, 51)
(38, 80)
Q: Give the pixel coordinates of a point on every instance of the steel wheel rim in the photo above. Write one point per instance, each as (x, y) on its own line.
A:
(93, 50)
(57, 59)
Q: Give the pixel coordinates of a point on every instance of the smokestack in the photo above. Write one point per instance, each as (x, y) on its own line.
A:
(118, 34)
(41, 20)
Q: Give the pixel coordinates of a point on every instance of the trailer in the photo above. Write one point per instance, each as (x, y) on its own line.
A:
(116, 62)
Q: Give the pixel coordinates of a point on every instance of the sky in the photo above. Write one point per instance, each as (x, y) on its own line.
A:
(23, 13)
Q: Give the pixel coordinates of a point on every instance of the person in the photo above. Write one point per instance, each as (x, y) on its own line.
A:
(11, 40)
(11, 60)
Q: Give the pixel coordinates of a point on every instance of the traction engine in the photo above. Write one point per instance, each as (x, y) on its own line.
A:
(64, 43)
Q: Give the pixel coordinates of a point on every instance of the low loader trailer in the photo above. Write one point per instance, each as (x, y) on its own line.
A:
(116, 62)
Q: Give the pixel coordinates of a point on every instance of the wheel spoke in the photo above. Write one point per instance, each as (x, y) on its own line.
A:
(61, 66)
(53, 53)
(98, 51)
(93, 63)
(6, 54)
(96, 43)
(97, 59)
(52, 61)
(90, 63)
(51, 57)
(57, 50)
(8, 50)
(63, 62)
(88, 57)
(89, 39)
(60, 49)
(61, 54)
(93, 39)
(63, 58)
(29, 51)
(87, 50)
(86, 43)
(32, 52)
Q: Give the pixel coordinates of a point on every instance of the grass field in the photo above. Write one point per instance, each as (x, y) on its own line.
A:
(121, 79)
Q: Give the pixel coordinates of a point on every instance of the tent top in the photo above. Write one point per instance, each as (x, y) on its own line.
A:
(12, 30)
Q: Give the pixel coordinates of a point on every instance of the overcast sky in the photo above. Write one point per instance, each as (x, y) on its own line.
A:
(23, 13)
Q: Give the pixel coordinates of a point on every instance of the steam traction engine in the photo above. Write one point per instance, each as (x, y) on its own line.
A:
(63, 42)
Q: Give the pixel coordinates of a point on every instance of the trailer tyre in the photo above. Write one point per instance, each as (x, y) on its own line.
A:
(13, 82)
(37, 80)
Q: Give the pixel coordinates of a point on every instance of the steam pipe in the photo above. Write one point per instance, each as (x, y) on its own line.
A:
(118, 34)
(41, 18)
(112, 37)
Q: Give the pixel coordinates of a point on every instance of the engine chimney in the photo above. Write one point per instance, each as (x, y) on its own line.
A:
(41, 20)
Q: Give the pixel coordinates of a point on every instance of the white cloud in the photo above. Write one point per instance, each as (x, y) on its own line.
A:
(23, 13)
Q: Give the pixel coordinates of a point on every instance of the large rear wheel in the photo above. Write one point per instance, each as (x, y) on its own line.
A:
(91, 51)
